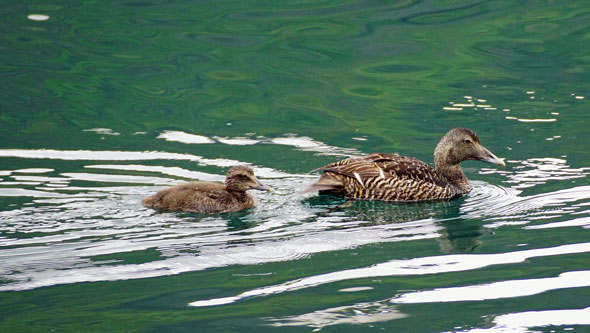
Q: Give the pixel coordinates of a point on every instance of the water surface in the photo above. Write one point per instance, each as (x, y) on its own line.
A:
(104, 103)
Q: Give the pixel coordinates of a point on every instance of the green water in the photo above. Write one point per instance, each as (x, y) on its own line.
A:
(105, 102)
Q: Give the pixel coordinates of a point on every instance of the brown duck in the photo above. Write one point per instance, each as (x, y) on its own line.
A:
(393, 177)
(210, 197)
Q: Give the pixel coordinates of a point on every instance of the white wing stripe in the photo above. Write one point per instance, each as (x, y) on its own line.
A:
(358, 177)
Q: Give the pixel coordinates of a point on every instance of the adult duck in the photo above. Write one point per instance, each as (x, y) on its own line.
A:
(393, 177)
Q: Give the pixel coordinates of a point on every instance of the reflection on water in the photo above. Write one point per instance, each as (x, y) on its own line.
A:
(418, 266)
(360, 313)
(504, 289)
(526, 321)
(97, 113)
(88, 226)
(537, 171)
(301, 142)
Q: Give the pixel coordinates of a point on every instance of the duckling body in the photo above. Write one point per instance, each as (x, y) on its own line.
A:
(394, 177)
(210, 197)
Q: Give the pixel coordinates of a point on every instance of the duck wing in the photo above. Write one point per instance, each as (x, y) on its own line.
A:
(384, 166)
(389, 177)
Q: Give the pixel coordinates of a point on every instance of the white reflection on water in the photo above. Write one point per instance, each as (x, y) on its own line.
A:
(238, 141)
(52, 262)
(417, 266)
(77, 224)
(308, 144)
(88, 155)
(470, 103)
(515, 322)
(172, 171)
(524, 322)
(20, 192)
(536, 171)
(361, 313)
(579, 222)
(38, 17)
(33, 170)
(105, 178)
(178, 136)
(94, 155)
(303, 143)
(496, 290)
(105, 131)
(524, 210)
(538, 120)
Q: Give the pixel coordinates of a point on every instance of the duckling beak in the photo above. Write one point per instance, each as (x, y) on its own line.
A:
(261, 187)
(487, 156)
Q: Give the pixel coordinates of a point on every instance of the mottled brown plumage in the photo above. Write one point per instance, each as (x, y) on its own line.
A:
(210, 197)
(393, 177)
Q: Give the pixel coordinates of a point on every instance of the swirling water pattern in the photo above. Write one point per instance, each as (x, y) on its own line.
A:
(105, 103)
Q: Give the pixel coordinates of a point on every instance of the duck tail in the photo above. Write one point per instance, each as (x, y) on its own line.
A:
(327, 182)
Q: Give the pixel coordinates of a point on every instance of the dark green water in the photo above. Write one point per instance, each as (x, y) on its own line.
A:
(104, 102)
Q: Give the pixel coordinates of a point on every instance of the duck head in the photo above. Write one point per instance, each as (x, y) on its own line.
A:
(241, 178)
(462, 144)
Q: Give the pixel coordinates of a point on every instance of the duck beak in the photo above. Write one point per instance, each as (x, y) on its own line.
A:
(487, 156)
(261, 187)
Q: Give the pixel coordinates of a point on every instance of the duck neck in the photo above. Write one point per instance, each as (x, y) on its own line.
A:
(455, 175)
(234, 191)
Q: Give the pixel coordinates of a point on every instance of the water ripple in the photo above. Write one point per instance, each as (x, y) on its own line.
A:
(88, 223)
(360, 313)
(523, 322)
(417, 266)
(496, 290)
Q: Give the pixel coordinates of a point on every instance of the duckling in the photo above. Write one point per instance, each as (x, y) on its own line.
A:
(393, 177)
(210, 197)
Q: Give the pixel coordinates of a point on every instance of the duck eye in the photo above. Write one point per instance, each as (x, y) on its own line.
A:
(467, 141)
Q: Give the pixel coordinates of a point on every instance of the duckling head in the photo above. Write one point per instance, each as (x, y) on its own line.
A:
(241, 178)
(462, 144)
